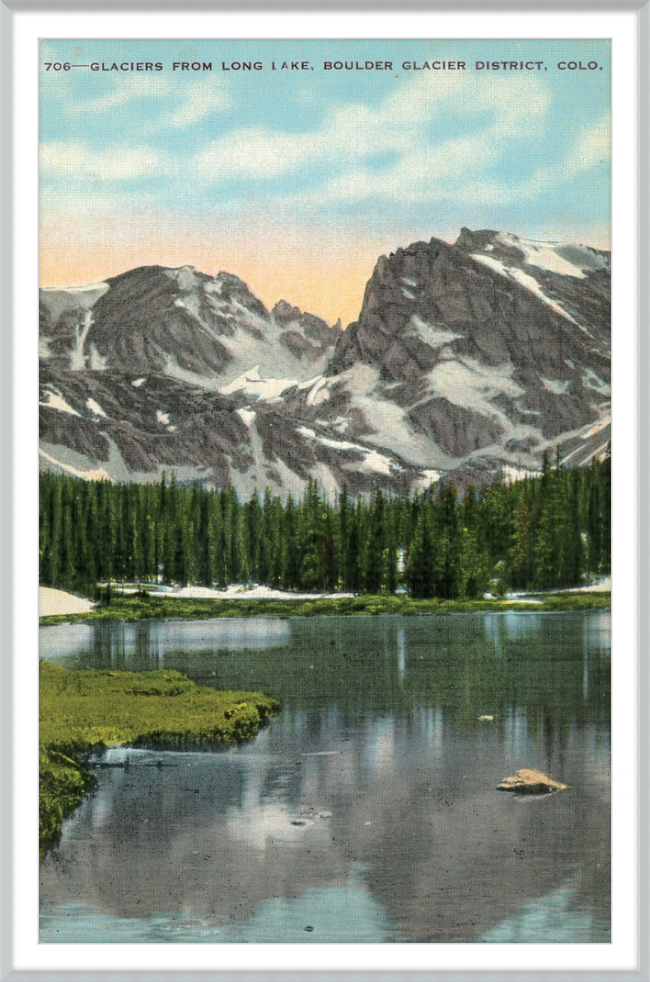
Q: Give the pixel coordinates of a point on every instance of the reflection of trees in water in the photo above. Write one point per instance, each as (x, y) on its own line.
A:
(553, 668)
(397, 699)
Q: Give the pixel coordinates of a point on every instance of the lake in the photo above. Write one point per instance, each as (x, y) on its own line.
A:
(367, 811)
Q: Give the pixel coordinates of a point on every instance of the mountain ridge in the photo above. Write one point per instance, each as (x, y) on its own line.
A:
(467, 359)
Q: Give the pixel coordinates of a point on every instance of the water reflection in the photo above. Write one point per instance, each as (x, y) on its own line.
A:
(67, 640)
(552, 919)
(368, 810)
(470, 664)
(348, 913)
(143, 645)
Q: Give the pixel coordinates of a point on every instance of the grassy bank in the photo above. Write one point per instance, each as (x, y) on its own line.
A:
(82, 711)
(135, 608)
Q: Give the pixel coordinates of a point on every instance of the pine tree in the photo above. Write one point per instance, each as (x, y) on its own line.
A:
(376, 544)
(420, 563)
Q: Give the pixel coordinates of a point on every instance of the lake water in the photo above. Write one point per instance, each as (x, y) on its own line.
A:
(367, 810)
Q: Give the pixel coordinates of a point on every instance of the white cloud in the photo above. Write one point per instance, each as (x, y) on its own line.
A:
(202, 99)
(398, 150)
(193, 101)
(258, 152)
(78, 161)
(124, 89)
(592, 148)
(404, 124)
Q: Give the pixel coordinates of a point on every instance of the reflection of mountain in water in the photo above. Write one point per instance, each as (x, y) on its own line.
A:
(347, 913)
(445, 855)
(377, 768)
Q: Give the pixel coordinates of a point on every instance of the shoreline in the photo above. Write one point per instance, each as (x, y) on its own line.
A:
(62, 603)
(89, 710)
(165, 607)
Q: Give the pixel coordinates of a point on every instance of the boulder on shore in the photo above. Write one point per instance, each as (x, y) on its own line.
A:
(527, 781)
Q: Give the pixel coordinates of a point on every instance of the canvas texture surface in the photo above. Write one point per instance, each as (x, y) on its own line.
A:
(325, 368)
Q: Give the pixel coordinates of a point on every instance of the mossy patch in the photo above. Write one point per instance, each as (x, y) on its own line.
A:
(88, 710)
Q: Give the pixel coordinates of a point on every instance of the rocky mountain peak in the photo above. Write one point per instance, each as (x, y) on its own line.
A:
(233, 288)
(466, 359)
(284, 312)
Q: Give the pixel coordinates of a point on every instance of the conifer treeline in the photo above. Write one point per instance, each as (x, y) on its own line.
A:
(537, 533)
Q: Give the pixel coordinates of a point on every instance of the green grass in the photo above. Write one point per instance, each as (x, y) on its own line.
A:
(133, 608)
(89, 710)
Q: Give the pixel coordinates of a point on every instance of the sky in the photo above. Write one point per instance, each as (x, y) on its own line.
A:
(297, 179)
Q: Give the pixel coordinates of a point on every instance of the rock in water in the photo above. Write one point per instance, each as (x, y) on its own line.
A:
(527, 781)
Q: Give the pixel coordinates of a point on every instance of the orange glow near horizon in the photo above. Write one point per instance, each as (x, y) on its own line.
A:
(325, 278)
(323, 274)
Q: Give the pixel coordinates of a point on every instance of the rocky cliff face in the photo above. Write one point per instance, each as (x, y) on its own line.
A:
(489, 340)
(180, 323)
(466, 360)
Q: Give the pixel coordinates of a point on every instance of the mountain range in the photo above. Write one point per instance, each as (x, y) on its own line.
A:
(466, 361)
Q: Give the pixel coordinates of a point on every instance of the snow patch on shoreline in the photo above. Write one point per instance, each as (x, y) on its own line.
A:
(236, 591)
(52, 601)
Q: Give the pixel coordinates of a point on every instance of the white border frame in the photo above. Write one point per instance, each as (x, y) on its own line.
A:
(21, 958)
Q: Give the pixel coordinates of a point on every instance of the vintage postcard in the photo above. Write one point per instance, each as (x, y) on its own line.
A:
(325, 491)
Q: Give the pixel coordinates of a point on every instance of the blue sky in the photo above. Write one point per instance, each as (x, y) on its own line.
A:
(298, 180)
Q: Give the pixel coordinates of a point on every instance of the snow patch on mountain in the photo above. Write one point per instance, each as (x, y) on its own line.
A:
(96, 362)
(252, 384)
(546, 255)
(435, 337)
(247, 416)
(597, 427)
(96, 474)
(525, 280)
(558, 387)
(318, 393)
(59, 299)
(389, 428)
(376, 463)
(95, 408)
(185, 276)
(468, 383)
(429, 477)
(308, 383)
(56, 401)
(372, 461)
(593, 381)
(77, 358)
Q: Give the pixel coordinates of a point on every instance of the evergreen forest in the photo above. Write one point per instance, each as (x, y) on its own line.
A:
(539, 533)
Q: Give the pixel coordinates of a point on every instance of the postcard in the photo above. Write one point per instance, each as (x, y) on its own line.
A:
(325, 516)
